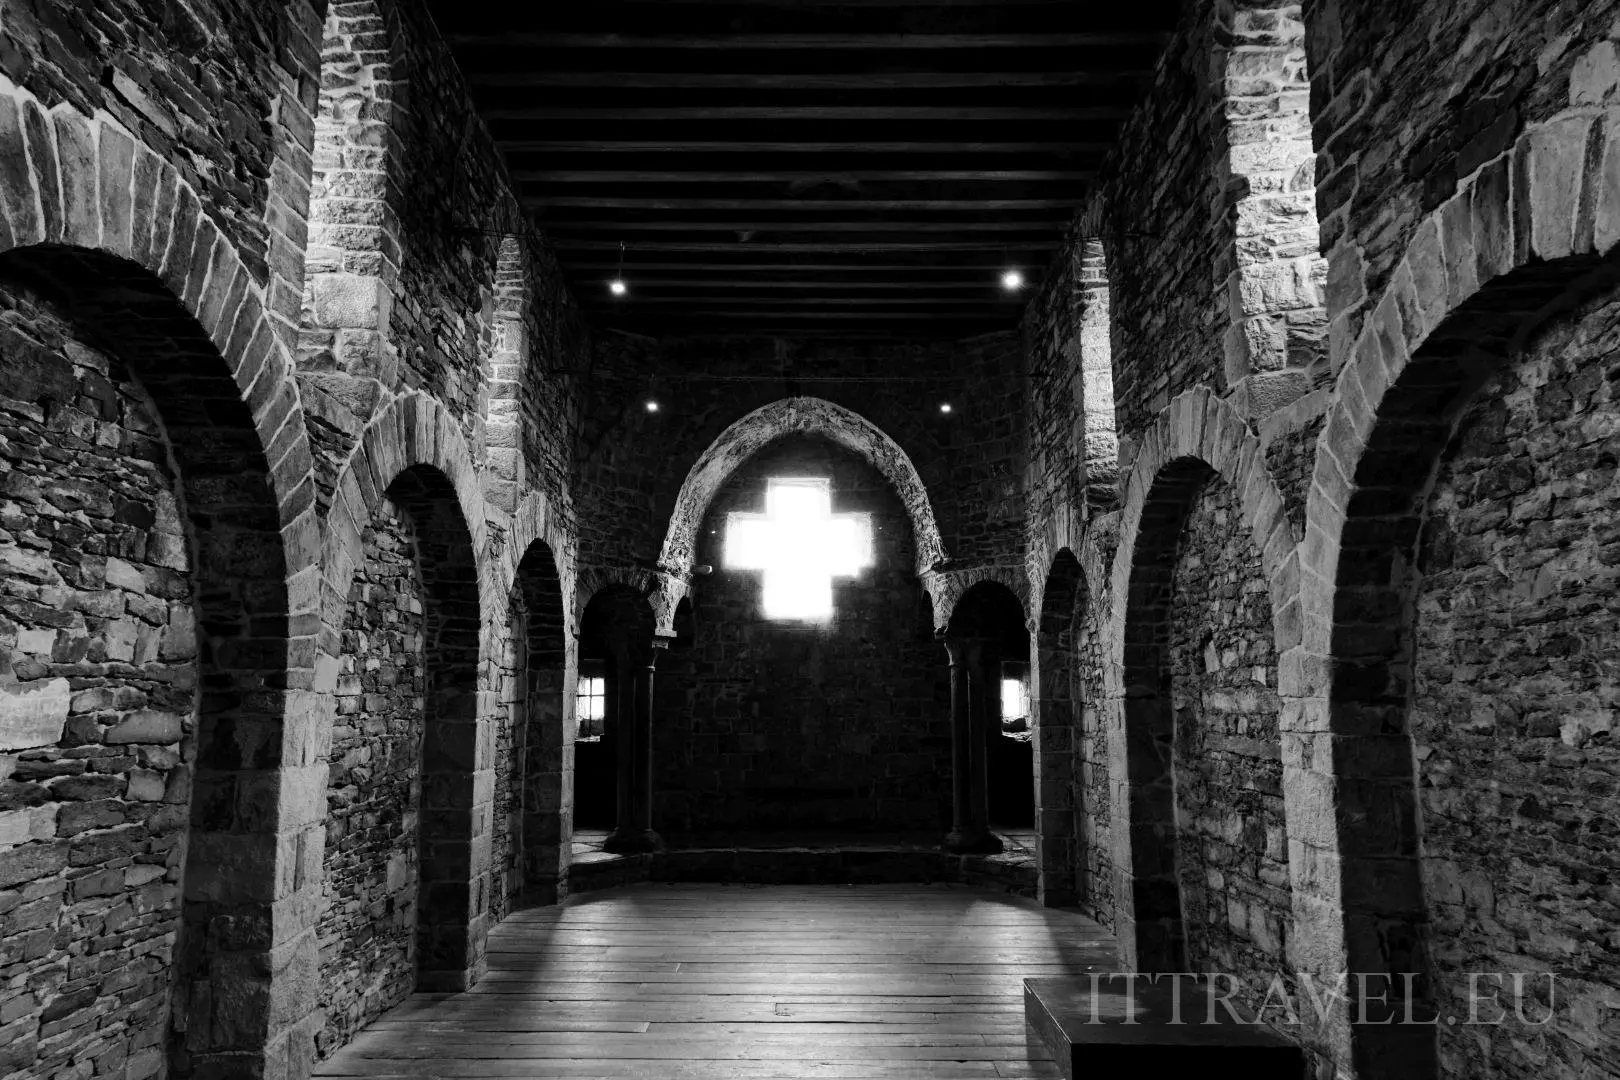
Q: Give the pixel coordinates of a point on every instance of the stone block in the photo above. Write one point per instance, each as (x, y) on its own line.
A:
(80, 169)
(17, 191)
(117, 166)
(147, 726)
(33, 715)
(350, 301)
(1556, 166)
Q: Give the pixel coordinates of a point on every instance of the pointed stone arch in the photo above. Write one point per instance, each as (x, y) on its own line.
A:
(740, 441)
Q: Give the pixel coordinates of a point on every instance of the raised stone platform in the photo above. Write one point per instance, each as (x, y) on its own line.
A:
(791, 859)
(1092, 1031)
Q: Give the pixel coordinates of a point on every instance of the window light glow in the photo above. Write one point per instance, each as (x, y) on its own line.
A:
(800, 545)
(590, 698)
(1014, 699)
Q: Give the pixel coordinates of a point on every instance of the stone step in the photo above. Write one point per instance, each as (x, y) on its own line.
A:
(861, 864)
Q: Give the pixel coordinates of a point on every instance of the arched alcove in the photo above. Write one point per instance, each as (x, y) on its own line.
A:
(146, 590)
(1063, 654)
(1208, 836)
(534, 750)
(1472, 670)
(404, 904)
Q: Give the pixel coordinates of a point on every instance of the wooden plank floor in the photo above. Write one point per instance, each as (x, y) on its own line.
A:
(726, 982)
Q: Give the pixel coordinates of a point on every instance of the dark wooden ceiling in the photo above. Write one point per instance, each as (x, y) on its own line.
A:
(869, 166)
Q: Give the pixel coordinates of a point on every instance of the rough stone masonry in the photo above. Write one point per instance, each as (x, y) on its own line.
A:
(1301, 465)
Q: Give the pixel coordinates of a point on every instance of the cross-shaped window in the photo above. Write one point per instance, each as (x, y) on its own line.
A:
(801, 545)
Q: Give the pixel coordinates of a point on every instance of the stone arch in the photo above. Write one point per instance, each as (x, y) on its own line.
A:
(947, 588)
(1271, 272)
(413, 454)
(86, 210)
(346, 358)
(1057, 703)
(1196, 438)
(1528, 236)
(740, 441)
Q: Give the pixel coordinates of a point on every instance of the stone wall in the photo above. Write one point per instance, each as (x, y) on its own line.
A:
(1516, 669)
(215, 87)
(179, 141)
(98, 704)
(842, 726)
(1232, 842)
(1401, 118)
(374, 787)
(424, 273)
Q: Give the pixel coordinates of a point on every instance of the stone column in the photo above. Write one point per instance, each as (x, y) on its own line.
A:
(632, 694)
(984, 724)
(970, 832)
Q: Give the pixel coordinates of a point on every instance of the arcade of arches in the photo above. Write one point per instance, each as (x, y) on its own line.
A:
(364, 585)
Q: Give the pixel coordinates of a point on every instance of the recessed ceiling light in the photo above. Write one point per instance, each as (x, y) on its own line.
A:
(1012, 280)
(945, 407)
(652, 406)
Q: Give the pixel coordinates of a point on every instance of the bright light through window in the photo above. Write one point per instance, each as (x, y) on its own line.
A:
(591, 699)
(800, 545)
(1014, 700)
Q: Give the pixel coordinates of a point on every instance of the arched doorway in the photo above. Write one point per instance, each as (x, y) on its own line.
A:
(534, 757)
(612, 781)
(989, 651)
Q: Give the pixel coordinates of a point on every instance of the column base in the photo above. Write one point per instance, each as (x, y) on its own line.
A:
(974, 840)
(632, 841)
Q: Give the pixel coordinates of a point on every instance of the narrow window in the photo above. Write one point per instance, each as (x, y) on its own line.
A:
(590, 699)
(1015, 700)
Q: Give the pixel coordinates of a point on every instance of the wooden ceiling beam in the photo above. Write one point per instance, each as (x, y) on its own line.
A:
(734, 43)
(902, 113)
(721, 313)
(829, 300)
(982, 281)
(790, 225)
(857, 146)
(583, 202)
(869, 81)
(959, 268)
(568, 243)
(791, 176)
